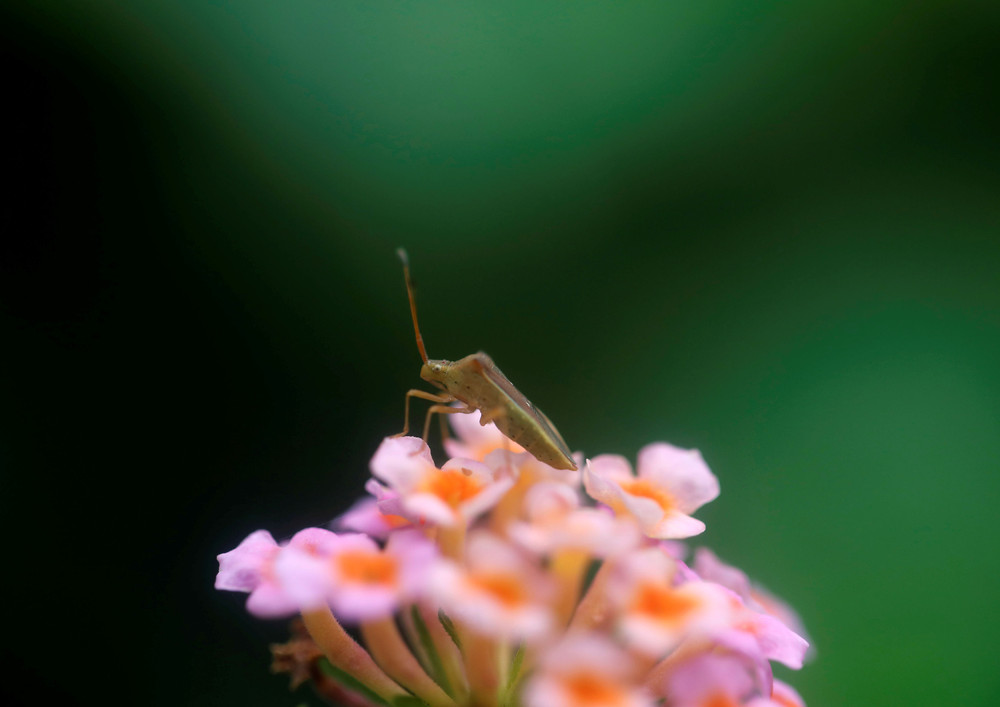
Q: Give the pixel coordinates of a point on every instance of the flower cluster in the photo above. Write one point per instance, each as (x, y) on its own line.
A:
(494, 580)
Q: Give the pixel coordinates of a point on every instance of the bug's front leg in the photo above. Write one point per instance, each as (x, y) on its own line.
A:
(443, 410)
(423, 395)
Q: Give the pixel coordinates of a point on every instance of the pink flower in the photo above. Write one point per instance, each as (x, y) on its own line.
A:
(776, 640)
(498, 592)
(709, 567)
(250, 567)
(655, 613)
(453, 495)
(555, 521)
(359, 580)
(586, 670)
(366, 516)
(672, 483)
(245, 567)
(712, 680)
(462, 567)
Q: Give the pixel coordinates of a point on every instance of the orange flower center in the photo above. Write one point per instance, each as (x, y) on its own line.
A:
(593, 690)
(663, 603)
(506, 589)
(451, 486)
(394, 521)
(644, 489)
(720, 700)
(367, 568)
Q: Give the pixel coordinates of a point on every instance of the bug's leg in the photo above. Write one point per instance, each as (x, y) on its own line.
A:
(444, 429)
(423, 395)
(442, 410)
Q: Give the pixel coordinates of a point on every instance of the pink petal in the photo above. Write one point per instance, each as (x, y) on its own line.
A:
(472, 436)
(763, 600)
(269, 601)
(706, 675)
(353, 542)
(599, 482)
(365, 517)
(683, 573)
(240, 569)
(416, 555)
(401, 461)
(424, 508)
(778, 642)
(745, 646)
(677, 525)
(611, 466)
(710, 568)
(364, 603)
(390, 503)
(549, 498)
(304, 579)
(316, 541)
(682, 471)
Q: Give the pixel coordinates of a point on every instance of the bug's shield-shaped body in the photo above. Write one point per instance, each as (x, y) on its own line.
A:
(476, 381)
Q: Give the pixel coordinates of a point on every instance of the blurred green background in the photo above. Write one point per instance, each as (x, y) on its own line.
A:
(768, 230)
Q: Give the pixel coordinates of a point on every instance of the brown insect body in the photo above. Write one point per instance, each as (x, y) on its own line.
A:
(476, 381)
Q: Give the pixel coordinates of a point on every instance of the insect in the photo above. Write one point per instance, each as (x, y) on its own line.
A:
(477, 383)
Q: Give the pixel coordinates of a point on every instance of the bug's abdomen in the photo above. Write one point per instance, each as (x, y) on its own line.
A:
(536, 441)
(476, 381)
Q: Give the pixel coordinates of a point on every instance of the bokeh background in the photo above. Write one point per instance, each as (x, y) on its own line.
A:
(768, 230)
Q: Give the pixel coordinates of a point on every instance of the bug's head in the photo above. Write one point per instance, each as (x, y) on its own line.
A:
(435, 372)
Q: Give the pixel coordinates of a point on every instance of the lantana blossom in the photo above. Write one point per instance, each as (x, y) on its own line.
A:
(493, 580)
(453, 495)
(671, 484)
(709, 567)
(655, 614)
(587, 670)
(498, 592)
(356, 577)
(556, 521)
(711, 679)
(368, 515)
(251, 567)
(775, 640)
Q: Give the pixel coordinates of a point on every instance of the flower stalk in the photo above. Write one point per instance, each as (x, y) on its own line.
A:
(393, 655)
(345, 653)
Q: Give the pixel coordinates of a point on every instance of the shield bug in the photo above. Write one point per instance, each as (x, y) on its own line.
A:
(477, 383)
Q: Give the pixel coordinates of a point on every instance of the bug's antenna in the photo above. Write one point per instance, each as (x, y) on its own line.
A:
(413, 302)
